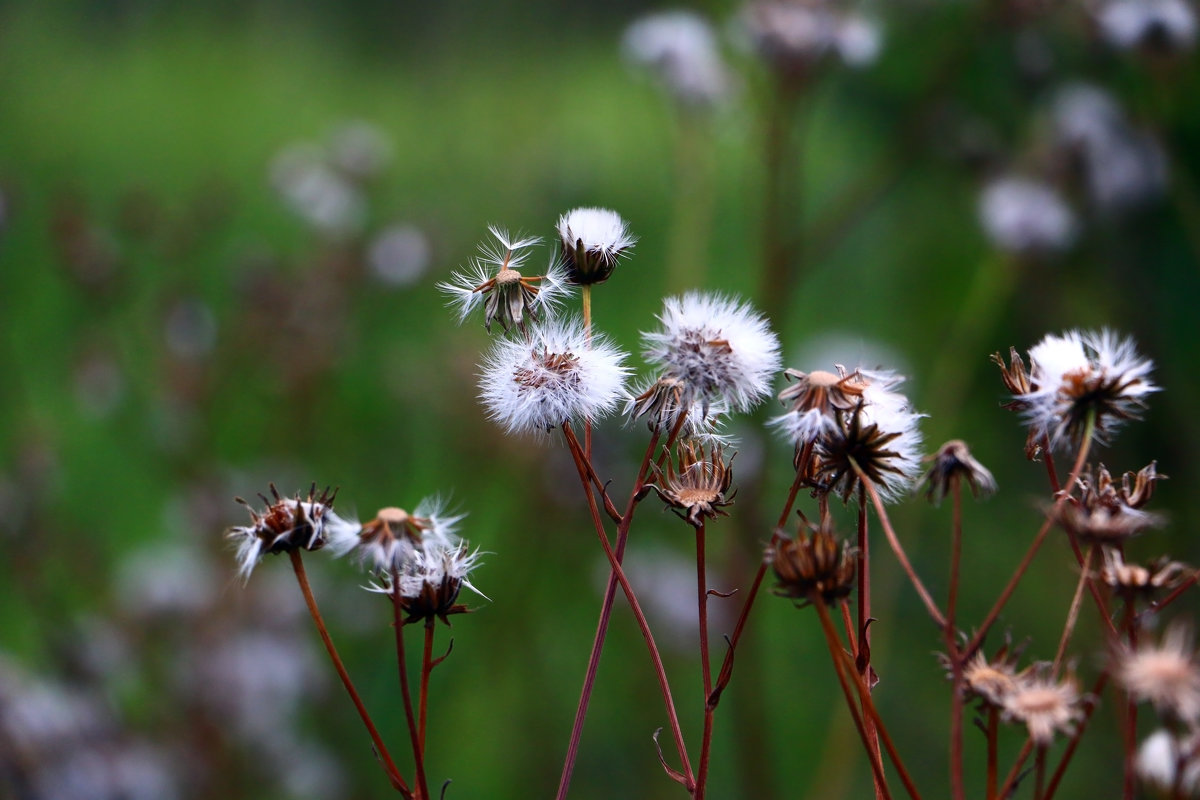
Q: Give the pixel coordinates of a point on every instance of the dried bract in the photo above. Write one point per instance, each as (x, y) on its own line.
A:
(1135, 582)
(1108, 514)
(698, 486)
(812, 567)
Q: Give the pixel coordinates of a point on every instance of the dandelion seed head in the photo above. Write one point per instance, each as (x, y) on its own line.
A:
(593, 241)
(287, 524)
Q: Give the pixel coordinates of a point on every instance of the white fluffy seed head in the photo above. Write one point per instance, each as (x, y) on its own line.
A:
(1085, 373)
(1025, 216)
(723, 350)
(593, 240)
(680, 48)
(554, 375)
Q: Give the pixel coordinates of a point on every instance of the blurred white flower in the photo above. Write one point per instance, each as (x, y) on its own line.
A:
(555, 375)
(399, 255)
(680, 49)
(1167, 762)
(360, 149)
(1025, 216)
(1153, 25)
(792, 37)
(317, 192)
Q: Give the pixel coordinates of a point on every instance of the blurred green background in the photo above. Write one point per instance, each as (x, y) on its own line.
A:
(173, 333)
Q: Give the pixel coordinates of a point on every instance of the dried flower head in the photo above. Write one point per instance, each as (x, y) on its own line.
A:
(1167, 675)
(699, 485)
(681, 50)
(1076, 377)
(1135, 582)
(816, 399)
(430, 579)
(951, 464)
(495, 280)
(288, 523)
(723, 351)
(663, 404)
(1171, 762)
(1026, 217)
(1107, 513)
(814, 566)
(554, 375)
(388, 540)
(1044, 704)
(1158, 27)
(878, 438)
(593, 241)
(993, 682)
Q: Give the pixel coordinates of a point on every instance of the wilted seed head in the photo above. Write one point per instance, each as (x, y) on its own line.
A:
(952, 463)
(429, 580)
(593, 241)
(992, 682)
(1166, 675)
(289, 524)
(390, 538)
(815, 398)
(1016, 380)
(880, 438)
(662, 404)
(1107, 514)
(1044, 704)
(699, 486)
(1134, 582)
(814, 566)
(496, 281)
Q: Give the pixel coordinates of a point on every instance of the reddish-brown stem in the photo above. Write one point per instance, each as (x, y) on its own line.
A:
(389, 766)
(1129, 624)
(957, 788)
(426, 668)
(1090, 706)
(848, 624)
(835, 652)
(862, 656)
(993, 750)
(926, 598)
(1073, 611)
(705, 664)
(1007, 787)
(1051, 472)
(610, 592)
(1039, 771)
(1175, 593)
(634, 605)
(726, 673)
(414, 735)
(889, 745)
(1034, 546)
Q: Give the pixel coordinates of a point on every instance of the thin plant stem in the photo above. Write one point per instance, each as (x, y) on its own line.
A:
(862, 656)
(726, 673)
(1073, 744)
(414, 735)
(705, 664)
(1035, 545)
(1129, 623)
(610, 591)
(1175, 593)
(957, 788)
(1007, 787)
(1073, 612)
(1039, 771)
(381, 750)
(835, 650)
(688, 778)
(426, 668)
(993, 751)
(930, 606)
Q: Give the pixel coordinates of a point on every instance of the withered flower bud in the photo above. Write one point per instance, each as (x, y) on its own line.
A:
(1105, 514)
(951, 463)
(1136, 582)
(815, 566)
(288, 524)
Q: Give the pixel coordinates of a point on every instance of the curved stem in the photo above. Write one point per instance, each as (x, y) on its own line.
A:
(593, 666)
(957, 787)
(635, 606)
(1073, 611)
(423, 696)
(389, 766)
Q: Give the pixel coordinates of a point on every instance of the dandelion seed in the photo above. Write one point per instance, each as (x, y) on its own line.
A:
(495, 281)
(593, 241)
(555, 375)
(723, 351)
(289, 524)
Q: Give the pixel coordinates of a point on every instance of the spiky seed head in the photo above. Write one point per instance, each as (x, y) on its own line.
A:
(814, 566)
(951, 464)
(287, 524)
(697, 488)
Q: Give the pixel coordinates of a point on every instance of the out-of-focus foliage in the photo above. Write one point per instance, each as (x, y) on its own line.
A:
(220, 232)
